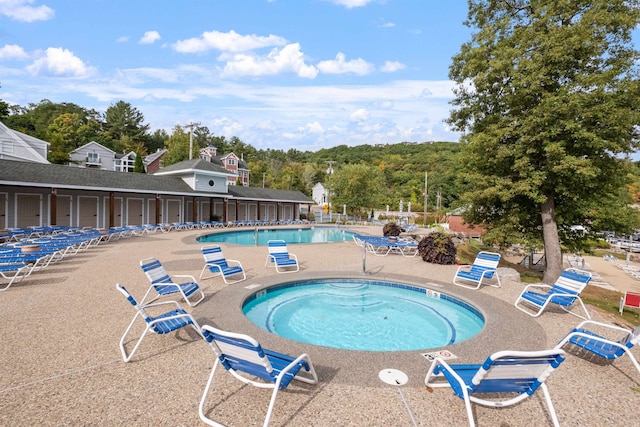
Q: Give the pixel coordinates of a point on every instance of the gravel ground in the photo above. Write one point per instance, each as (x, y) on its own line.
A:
(61, 364)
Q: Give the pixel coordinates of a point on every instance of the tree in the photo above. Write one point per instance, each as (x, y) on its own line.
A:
(177, 147)
(546, 96)
(122, 119)
(63, 134)
(357, 186)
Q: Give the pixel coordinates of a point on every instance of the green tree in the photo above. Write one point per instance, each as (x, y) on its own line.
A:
(357, 186)
(177, 147)
(122, 119)
(547, 98)
(63, 135)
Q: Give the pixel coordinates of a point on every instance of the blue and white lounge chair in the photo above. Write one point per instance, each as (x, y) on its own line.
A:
(564, 293)
(162, 284)
(245, 359)
(279, 256)
(161, 324)
(606, 348)
(216, 263)
(13, 272)
(485, 266)
(504, 373)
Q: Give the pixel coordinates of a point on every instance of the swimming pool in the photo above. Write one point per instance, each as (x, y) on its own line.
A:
(368, 315)
(289, 235)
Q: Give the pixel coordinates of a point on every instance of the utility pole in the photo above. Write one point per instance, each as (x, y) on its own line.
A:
(263, 175)
(426, 196)
(191, 125)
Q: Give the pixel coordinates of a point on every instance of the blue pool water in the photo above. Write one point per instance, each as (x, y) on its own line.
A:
(367, 315)
(289, 235)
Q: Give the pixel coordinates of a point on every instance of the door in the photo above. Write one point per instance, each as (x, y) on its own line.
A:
(173, 211)
(28, 210)
(63, 211)
(87, 212)
(134, 211)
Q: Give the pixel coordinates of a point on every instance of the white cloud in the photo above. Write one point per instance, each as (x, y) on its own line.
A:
(341, 66)
(287, 59)
(314, 127)
(122, 39)
(392, 66)
(359, 115)
(387, 25)
(23, 11)
(12, 51)
(227, 42)
(350, 4)
(149, 37)
(60, 62)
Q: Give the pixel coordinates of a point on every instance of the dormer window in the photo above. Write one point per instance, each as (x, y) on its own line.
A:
(231, 161)
(93, 157)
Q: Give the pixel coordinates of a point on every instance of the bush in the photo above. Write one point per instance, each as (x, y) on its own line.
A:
(438, 248)
(391, 229)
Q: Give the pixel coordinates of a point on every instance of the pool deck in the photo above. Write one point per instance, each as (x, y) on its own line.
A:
(61, 365)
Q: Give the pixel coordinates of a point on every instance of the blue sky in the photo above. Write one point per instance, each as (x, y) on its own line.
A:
(304, 74)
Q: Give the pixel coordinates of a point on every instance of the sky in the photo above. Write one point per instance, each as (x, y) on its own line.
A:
(279, 74)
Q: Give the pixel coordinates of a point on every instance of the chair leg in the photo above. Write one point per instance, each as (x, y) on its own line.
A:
(203, 417)
(128, 357)
(552, 411)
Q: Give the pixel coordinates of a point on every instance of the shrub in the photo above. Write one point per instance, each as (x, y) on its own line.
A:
(391, 229)
(437, 248)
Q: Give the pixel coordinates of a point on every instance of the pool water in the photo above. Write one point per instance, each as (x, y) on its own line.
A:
(289, 235)
(366, 315)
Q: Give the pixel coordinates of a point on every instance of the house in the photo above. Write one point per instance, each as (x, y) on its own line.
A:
(97, 156)
(15, 145)
(230, 162)
(320, 194)
(457, 225)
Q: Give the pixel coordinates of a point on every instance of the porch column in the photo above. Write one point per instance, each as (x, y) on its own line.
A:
(211, 209)
(194, 212)
(237, 210)
(259, 216)
(225, 203)
(158, 208)
(112, 204)
(53, 208)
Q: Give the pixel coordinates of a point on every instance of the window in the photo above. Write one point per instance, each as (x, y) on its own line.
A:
(231, 161)
(93, 158)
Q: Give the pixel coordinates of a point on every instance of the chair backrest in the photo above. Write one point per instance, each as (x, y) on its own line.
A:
(277, 247)
(133, 302)
(572, 281)
(213, 255)
(516, 371)
(238, 352)
(487, 260)
(632, 339)
(155, 271)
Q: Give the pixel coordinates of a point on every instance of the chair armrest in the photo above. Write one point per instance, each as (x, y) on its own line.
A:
(536, 285)
(157, 304)
(234, 261)
(604, 325)
(188, 276)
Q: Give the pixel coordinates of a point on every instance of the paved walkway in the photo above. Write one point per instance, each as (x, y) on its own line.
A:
(60, 363)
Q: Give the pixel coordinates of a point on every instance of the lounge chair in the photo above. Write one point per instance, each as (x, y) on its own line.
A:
(161, 324)
(606, 348)
(13, 272)
(504, 373)
(282, 260)
(564, 293)
(485, 266)
(163, 284)
(245, 359)
(216, 263)
(630, 299)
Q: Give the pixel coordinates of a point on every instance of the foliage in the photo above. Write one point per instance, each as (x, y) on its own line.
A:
(546, 98)
(356, 186)
(391, 229)
(123, 120)
(437, 248)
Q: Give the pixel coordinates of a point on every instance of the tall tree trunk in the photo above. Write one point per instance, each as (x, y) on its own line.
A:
(552, 251)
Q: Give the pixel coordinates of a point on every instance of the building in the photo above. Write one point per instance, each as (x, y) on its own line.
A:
(97, 156)
(18, 146)
(230, 162)
(36, 194)
(320, 194)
